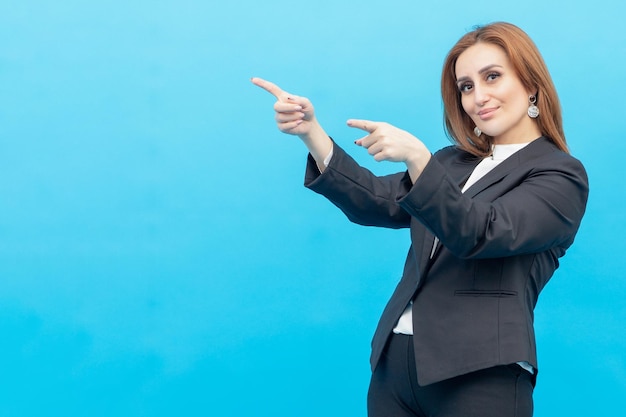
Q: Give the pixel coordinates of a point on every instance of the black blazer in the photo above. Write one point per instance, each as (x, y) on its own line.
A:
(501, 240)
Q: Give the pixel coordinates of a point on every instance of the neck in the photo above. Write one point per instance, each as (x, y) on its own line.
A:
(527, 132)
(513, 139)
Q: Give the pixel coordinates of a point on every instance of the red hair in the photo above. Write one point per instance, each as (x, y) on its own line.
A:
(530, 68)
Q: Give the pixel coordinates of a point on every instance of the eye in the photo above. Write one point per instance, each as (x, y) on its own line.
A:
(492, 76)
(465, 87)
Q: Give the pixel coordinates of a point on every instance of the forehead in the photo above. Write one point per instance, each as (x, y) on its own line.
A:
(479, 56)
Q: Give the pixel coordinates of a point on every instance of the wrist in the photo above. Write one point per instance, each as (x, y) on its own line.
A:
(318, 142)
(417, 162)
(314, 132)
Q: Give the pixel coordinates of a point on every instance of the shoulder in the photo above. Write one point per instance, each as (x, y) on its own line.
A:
(544, 154)
(454, 153)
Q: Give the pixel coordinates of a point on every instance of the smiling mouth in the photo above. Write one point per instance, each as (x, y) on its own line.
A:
(487, 113)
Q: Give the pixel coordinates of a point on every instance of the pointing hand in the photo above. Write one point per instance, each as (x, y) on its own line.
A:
(294, 114)
(388, 143)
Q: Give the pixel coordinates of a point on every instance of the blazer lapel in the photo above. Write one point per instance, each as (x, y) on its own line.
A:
(494, 175)
(462, 168)
(533, 150)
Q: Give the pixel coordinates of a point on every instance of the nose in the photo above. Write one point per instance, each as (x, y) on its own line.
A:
(480, 95)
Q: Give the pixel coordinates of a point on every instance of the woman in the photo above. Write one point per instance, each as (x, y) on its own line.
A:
(489, 219)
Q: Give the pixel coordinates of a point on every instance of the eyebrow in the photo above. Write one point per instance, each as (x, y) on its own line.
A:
(480, 71)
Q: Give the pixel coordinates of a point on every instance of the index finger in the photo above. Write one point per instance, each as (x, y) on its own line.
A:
(270, 87)
(366, 125)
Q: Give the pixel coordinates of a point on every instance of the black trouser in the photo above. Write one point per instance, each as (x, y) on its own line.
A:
(502, 391)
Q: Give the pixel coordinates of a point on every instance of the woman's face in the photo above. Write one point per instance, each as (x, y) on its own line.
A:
(493, 95)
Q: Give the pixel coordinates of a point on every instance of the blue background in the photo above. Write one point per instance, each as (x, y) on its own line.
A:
(158, 253)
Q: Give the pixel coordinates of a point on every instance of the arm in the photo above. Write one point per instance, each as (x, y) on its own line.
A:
(364, 198)
(538, 209)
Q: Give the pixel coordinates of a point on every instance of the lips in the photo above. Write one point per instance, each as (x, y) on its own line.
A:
(485, 114)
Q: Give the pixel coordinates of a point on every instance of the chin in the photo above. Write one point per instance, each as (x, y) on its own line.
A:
(494, 133)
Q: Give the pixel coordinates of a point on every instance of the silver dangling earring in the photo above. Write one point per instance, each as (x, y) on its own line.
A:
(477, 131)
(533, 111)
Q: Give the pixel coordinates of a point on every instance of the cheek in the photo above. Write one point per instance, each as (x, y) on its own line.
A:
(467, 103)
(518, 104)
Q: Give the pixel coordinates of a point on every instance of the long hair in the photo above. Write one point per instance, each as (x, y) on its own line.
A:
(530, 68)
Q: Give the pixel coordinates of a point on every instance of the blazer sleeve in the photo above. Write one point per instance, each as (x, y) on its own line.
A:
(365, 198)
(541, 211)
